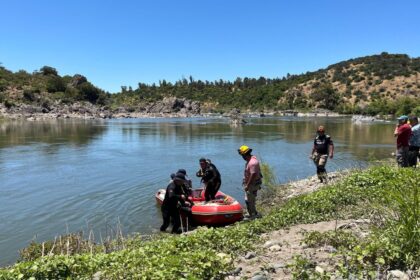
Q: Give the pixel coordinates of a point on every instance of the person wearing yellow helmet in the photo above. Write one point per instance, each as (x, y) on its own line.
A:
(252, 180)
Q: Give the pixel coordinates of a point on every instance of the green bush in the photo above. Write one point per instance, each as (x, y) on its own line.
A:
(89, 92)
(9, 103)
(29, 95)
(55, 84)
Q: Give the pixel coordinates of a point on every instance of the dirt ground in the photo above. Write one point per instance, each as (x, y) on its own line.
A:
(271, 260)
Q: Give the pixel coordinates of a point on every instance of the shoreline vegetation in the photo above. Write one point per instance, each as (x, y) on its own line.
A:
(376, 85)
(363, 224)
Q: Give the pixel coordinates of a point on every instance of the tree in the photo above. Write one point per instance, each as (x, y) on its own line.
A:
(47, 70)
(89, 92)
(326, 96)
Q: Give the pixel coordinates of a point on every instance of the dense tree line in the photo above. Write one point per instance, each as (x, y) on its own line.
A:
(246, 93)
(283, 93)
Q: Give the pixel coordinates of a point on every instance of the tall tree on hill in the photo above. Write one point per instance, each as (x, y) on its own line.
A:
(326, 96)
(48, 70)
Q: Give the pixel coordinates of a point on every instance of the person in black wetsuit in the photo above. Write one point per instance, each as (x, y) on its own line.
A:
(322, 148)
(174, 198)
(187, 186)
(210, 176)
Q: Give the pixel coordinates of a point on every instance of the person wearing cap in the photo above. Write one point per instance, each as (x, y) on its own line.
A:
(187, 186)
(170, 207)
(414, 142)
(211, 178)
(252, 180)
(402, 132)
(322, 148)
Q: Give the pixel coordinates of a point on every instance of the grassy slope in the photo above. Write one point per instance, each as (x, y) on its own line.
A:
(208, 253)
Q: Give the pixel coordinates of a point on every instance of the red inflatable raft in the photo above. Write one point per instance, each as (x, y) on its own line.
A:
(223, 210)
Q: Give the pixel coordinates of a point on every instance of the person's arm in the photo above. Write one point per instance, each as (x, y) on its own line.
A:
(396, 130)
(313, 151)
(200, 173)
(330, 146)
(331, 150)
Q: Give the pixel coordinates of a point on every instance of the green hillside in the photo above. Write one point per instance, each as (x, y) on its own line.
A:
(377, 84)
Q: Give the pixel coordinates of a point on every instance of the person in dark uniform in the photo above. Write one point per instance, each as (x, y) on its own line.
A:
(210, 176)
(187, 186)
(322, 148)
(174, 197)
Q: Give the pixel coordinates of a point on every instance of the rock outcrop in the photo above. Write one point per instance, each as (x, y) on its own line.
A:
(168, 107)
(171, 105)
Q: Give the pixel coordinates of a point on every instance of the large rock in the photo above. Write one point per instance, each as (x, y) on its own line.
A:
(170, 105)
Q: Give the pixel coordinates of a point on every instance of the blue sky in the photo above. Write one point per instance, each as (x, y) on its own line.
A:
(115, 43)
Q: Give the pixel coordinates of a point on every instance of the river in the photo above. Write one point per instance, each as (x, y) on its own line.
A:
(70, 175)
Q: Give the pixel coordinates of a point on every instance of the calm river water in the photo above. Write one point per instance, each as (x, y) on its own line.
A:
(59, 176)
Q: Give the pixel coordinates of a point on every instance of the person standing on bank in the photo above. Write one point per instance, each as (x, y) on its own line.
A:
(322, 148)
(402, 132)
(252, 180)
(414, 143)
(173, 199)
(210, 176)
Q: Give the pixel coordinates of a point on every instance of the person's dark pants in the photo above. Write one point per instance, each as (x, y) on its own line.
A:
(402, 156)
(413, 154)
(169, 213)
(187, 214)
(211, 190)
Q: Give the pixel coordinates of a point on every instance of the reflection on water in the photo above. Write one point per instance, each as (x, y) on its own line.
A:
(70, 175)
(14, 133)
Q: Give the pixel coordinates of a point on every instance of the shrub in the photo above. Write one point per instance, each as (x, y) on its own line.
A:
(29, 95)
(55, 84)
(89, 92)
(9, 103)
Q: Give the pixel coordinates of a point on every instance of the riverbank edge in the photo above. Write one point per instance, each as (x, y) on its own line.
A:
(269, 196)
(98, 113)
(286, 193)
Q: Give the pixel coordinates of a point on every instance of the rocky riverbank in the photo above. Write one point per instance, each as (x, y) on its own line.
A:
(168, 107)
(304, 249)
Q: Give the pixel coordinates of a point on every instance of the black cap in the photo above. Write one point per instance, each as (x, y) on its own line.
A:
(183, 171)
(202, 160)
(179, 176)
(172, 176)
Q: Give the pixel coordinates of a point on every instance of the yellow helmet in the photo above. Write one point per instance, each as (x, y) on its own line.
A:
(243, 150)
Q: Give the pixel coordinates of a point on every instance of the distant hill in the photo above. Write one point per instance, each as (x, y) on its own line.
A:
(372, 84)
(46, 85)
(377, 84)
